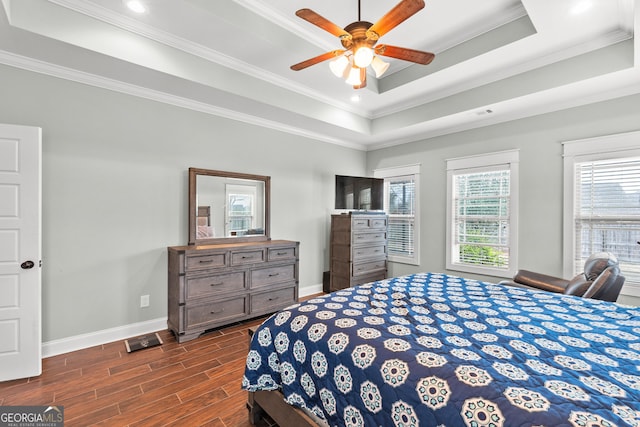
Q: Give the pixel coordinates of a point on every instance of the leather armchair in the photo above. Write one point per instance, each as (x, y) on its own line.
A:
(601, 279)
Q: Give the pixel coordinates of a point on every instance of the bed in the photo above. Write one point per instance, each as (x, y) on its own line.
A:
(439, 350)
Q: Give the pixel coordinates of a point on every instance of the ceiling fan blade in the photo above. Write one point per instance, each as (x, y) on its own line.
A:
(317, 59)
(405, 54)
(401, 12)
(322, 22)
(363, 79)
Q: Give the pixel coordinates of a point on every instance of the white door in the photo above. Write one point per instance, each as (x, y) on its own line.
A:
(20, 242)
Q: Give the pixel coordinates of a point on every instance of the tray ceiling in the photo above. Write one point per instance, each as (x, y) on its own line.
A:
(496, 60)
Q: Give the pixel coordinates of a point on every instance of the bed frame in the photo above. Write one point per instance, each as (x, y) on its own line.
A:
(272, 403)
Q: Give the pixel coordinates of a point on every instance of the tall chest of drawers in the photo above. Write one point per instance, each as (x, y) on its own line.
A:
(214, 285)
(358, 249)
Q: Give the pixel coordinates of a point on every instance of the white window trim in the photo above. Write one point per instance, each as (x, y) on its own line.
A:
(484, 161)
(584, 150)
(403, 171)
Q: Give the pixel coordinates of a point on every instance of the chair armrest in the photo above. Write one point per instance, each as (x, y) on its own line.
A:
(541, 281)
(607, 286)
(514, 284)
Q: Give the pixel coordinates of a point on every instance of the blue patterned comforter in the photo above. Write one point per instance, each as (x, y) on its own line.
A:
(437, 350)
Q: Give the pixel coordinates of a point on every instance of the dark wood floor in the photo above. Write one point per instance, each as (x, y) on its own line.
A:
(196, 383)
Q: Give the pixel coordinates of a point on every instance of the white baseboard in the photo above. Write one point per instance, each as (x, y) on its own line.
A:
(78, 342)
(310, 290)
(630, 288)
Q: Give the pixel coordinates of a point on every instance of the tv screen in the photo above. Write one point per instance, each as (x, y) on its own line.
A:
(359, 193)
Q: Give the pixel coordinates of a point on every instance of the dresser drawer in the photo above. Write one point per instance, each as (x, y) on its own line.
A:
(272, 301)
(378, 222)
(277, 274)
(359, 280)
(247, 257)
(201, 262)
(373, 237)
(367, 223)
(275, 254)
(211, 285)
(368, 252)
(216, 312)
(361, 223)
(363, 268)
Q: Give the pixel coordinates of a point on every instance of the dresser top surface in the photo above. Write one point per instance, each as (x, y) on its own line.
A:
(239, 245)
(360, 213)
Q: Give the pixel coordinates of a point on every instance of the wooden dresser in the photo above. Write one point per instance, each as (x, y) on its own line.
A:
(213, 285)
(358, 249)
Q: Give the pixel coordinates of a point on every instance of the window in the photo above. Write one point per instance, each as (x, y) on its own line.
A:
(602, 214)
(482, 214)
(401, 205)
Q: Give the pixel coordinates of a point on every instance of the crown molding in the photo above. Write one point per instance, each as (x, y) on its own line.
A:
(141, 29)
(53, 70)
(267, 11)
(606, 39)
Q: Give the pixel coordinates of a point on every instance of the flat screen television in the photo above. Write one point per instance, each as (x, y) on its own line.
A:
(359, 193)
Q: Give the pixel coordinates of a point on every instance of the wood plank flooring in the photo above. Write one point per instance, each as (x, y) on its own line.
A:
(196, 383)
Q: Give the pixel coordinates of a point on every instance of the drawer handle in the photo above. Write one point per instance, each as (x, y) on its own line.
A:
(281, 253)
(274, 274)
(217, 284)
(207, 261)
(218, 311)
(273, 298)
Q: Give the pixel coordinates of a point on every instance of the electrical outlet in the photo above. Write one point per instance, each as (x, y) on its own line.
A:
(144, 301)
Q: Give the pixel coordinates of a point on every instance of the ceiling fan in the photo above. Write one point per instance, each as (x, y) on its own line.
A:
(359, 41)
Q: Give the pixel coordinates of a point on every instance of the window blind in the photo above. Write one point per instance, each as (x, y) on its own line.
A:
(401, 205)
(481, 218)
(607, 212)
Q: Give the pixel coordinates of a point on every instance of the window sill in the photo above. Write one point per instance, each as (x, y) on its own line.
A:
(483, 271)
(403, 260)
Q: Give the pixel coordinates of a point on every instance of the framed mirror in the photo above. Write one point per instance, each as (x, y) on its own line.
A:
(227, 207)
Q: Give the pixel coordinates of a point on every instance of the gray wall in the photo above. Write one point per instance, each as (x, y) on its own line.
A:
(539, 141)
(115, 189)
(115, 193)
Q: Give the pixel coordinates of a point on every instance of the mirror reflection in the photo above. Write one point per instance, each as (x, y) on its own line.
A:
(227, 205)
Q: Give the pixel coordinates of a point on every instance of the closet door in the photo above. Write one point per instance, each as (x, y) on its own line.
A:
(20, 250)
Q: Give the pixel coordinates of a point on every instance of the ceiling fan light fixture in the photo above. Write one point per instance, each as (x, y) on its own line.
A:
(359, 41)
(363, 56)
(379, 66)
(339, 66)
(354, 77)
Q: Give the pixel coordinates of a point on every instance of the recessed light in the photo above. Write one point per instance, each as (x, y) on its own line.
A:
(581, 7)
(136, 6)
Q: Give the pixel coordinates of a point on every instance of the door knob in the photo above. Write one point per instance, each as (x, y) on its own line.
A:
(27, 265)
